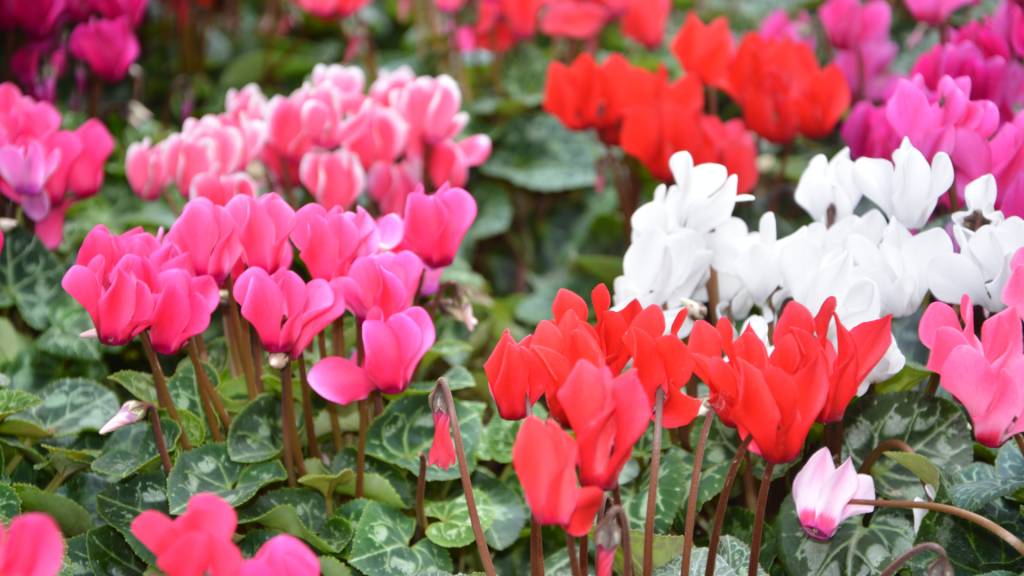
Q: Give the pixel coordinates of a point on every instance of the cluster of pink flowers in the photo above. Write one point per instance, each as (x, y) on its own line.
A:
(200, 542)
(331, 135)
(102, 36)
(959, 98)
(43, 168)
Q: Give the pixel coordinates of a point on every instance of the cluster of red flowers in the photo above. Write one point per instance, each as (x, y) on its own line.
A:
(602, 380)
(776, 82)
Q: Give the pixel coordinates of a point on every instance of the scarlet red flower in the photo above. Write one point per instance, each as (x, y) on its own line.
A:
(544, 457)
(442, 450)
(662, 361)
(514, 375)
(645, 21)
(665, 124)
(608, 415)
(849, 363)
(705, 50)
(772, 398)
(782, 90)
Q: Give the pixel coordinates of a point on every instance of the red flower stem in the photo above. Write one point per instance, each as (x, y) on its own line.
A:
(467, 485)
(536, 549)
(158, 437)
(237, 337)
(978, 519)
(652, 485)
(720, 508)
(584, 555)
(292, 449)
(205, 386)
(332, 410)
(762, 503)
(691, 502)
(234, 363)
(163, 395)
(713, 299)
(421, 494)
(627, 546)
(337, 338)
(201, 347)
(307, 411)
(902, 559)
(257, 360)
(890, 445)
(364, 424)
(570, 548)
(1020, 442)
(834, 438)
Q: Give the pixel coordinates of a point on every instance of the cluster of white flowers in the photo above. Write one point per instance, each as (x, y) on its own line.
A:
(876, 261)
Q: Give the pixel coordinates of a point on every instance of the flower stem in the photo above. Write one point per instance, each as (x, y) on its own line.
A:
(332, 410)
(627, 546)
(570, 548)
(978, 519)
(307, 411)
(211, 400)
(421, 494)
(890, 445)
(1020, 442)
(691, 502)
(240, 342)
(584, 555)
(536, 549)
(292, 451)
(902, 559)
(158, 437)
(163, 395)
(364, 424)
(834, 438)
(652, 485)
(762, 503)
(720, 508)
(712, 288)
(257, 360)
(467, 485)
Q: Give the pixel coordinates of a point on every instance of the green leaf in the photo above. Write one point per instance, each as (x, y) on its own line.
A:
(76, 557)
(535, 152)
(495, 213)
(934, 427)
(132, 448)
(855, 550)
(72, 518)
(119, 504)
(453, 528)
(669, 499)
(499, 436)
(330, 566)
(110, 555)
(458, 377)
(193, 425)
(733, 558)
(325, 481)
(406, 429)
(255, 434)
(138, 384)
(908, 378)
(30, 278)
(921, 467)
(509, 510)
(299, 512)
(184, 388)
(13, 401)
(381, 545)
(666, 547)
(208, 469)
(382, 482)
(67, 461)
(72, 405)
(62, 339)
(10, 504)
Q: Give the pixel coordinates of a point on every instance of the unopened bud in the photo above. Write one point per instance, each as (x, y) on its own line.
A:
(278, 360)
(130, 412)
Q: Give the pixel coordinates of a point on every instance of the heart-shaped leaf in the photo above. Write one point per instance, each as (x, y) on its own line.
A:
(208, 469)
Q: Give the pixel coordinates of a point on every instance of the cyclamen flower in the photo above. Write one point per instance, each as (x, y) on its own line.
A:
(109, 47)
(332, 8)
(387, 282)
(906, 189)
(435, 224)
(208, 235)
(826, 189)
(822, 494)
(512, 370)
(31, 545)
(935, 12)
(442, 450)
(333, 178)
(705, 50)
(182, 309)
(1013, 292)
(263, 226)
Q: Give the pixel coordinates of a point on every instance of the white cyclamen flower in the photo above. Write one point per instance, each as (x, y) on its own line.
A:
(908, 188)
(826, 189)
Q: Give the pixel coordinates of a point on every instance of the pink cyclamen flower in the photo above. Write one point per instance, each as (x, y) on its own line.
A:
(146, 170)
(449, 5)
(329, 241)
(387, 282)
(935, 12)
(282, 554)
(133, 9)
(436, 224)
(285, 311)
(196, 543)
(376, 133)
(208, 236)
(333, 178)
(393, 348)
(85, 170)
(36, 18)
(264, 224)
(986, 375)
(778, 24)
(220, 189)
(119, 302)
(182, 309)
(391, 184)
(109, 47)
(850, 23)
(432, 108)
(31, 545)
(1013, 292)
(331, 8)
(25, 170)
(822, 494)
(450, 161)
(442, 450)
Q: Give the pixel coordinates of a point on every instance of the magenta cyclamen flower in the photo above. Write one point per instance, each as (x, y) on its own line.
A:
(32, 545)
(387, 282)
(183, 307)
(26, 170)
(436, 224)
(333, 178)
(109, 47)
(1013, 292)
(329, 241)
(264, 224)
(208, 236)
(822, 494)
(935, 12)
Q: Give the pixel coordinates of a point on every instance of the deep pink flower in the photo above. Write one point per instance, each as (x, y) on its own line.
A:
(333, 178)
(120, 302)
(264, 224)
(196, 543)
(1013, 292)
(146, 170)
(436, 224)
(331, 8)
(867, 132)
(449, 5)
(31, 545)
(25, 171)
(393, 347)
(778, 25)
(442, 449)
(133, 9)
(183, 307)
(986, 375)
(376, 133)
(220, 189)
(282, 554)
(993, 77)
(387, 282)
(935, 12)
(85, 170)
(36, 18)
(822, 494)
(329, 241)
(285, 311)
(391, 184)
(207, 234)
(432, 108)
(450, 161)
(109, 47)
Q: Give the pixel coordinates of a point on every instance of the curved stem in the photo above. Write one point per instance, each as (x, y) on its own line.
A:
(467, 484)
(902, 559)
(163, 394)
(421, 494)
(652, 485)
(691, 502)
(978, 519)
(723, 504)
(890, 445)
(158, 437)
(239, 343)
(712, 288)
(627, 545)
(207, 390)
(762, 503)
